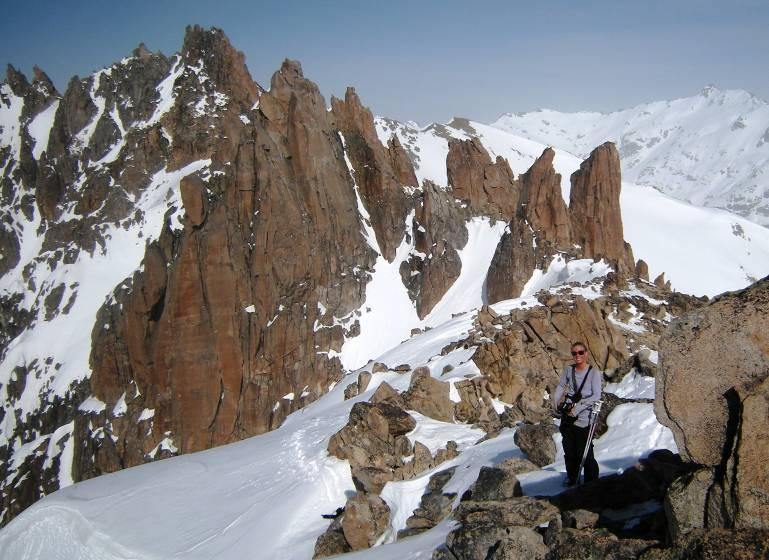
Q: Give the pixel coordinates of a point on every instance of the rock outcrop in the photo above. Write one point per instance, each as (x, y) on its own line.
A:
(591, 227)
(473, 177)
(596, 219)
(713, 392)
(380, 172)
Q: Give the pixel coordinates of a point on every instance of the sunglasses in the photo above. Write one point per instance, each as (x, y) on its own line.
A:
(577, 352)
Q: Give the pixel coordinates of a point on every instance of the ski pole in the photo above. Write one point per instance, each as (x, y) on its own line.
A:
(594, 410)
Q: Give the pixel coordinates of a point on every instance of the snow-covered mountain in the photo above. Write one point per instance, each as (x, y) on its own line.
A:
(711, 149)
(190, 259)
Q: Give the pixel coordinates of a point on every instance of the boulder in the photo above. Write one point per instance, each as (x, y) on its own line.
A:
(433, 507)
(748, 467)
(365, 518)
(386, 394)
(686, 502)
(475, 405)
(579, 519)
(598, 544)
(369, 439)
(517, 465)
(498, 527)
(520, 542)
(536, 440)
(725, 425)
(493, 484)
(370, 480)
(524, 511)
(332, 541)
(645, 481)
(715, 544)
(429, 396)
(379, 367)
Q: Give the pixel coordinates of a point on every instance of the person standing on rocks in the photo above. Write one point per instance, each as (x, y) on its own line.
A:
(580, 384)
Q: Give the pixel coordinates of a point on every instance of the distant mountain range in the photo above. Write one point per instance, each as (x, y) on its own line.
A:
(711, 149)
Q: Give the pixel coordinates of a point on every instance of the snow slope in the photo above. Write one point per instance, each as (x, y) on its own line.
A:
(702, 251)
(711, 149)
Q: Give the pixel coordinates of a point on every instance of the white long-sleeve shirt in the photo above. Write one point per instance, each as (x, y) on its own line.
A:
(591, 391)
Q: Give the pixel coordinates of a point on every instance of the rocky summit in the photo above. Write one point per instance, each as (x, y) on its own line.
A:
(188, 258)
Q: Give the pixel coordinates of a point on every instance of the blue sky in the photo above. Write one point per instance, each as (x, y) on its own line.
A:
(429, 60)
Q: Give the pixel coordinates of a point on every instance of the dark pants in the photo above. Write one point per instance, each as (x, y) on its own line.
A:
(574, 440)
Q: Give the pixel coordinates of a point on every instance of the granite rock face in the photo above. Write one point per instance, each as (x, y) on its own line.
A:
(720, 354)
(596, 218)
(591, 226)
(475, 178)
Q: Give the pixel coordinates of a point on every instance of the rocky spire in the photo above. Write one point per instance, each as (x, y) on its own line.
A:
(225, 65)
(594, 208)
(380, 172)
(486, 185)
(542, 204)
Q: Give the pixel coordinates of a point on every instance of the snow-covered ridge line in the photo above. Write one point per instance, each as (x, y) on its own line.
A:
(711, 149)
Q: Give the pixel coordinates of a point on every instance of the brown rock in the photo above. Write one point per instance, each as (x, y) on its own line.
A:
(485, 184)
(642, 270)
(744, 544)
(370, 480)
(370, 437)
(536, 440)
(379, 171)
(523, 511)
(728, 419)
(439, 231)
(429, 396)
(596, 217)
(520, 542)
(493, 484)
(386, 394)
(379, 367)
(433, 508)
(573, 544)
(542, 203)
(580, 519)
(194, 198)
(332, 542)
(686, 502)
(365, 518)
